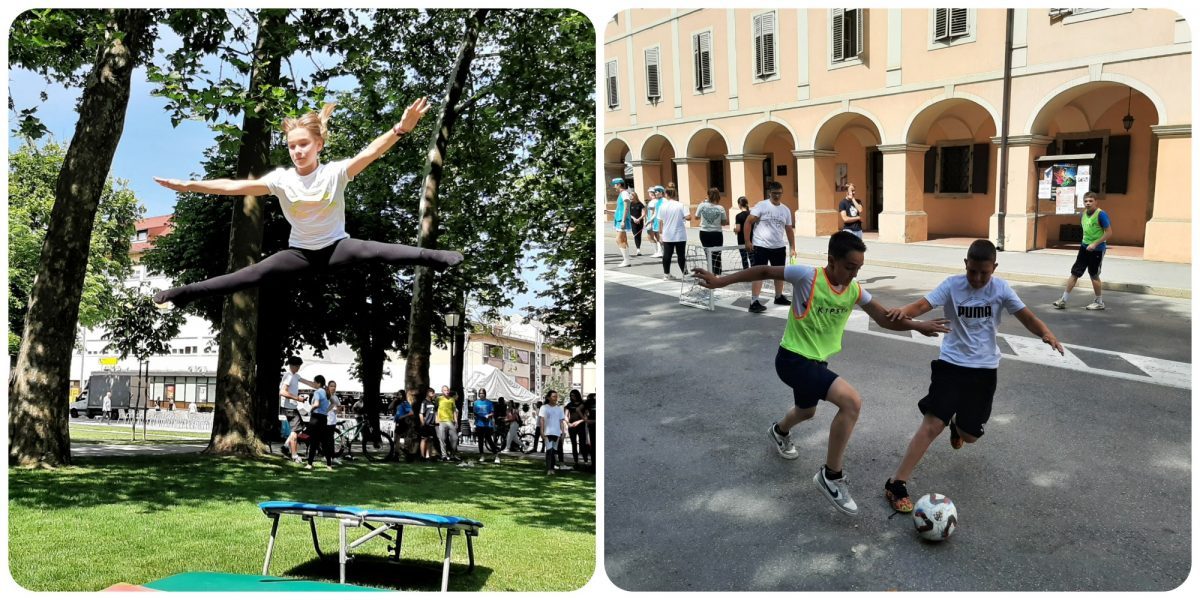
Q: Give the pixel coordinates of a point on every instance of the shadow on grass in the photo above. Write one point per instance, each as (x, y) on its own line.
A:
(518, 490)
(408, 574)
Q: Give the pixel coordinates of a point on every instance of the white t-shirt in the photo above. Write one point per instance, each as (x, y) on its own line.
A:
(553, 416)
(314, 204)
(672, 213)
(334, 403)
(801, 277)
(974, 316)
(292, 382)
(769, 230)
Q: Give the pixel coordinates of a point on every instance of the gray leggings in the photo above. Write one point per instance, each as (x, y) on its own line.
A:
(295, 261)
(447, 436)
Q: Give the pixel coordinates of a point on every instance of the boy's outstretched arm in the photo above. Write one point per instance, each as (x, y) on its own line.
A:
(759, 273)
(911, 311)
(1038, 328)
(879, 314)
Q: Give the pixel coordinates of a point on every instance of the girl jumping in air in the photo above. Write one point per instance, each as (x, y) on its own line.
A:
(312, 197)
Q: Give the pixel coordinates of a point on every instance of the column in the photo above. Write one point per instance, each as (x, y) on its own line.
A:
(1021, 206)
(746, 177)
(1169, 231)
(646, 173)
(903, 219)
(816, 214)
(693, 179)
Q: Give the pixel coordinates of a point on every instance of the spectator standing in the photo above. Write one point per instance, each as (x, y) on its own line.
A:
(553, 423)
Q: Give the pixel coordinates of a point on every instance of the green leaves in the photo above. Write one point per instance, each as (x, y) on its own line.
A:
(136, 328)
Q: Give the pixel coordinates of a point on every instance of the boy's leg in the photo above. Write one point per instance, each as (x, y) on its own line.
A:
(931, 427)
(842, 395)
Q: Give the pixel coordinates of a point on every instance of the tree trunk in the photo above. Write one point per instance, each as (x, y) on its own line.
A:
(416, 368)
(272, 338)
(234, 430)
(38, 420)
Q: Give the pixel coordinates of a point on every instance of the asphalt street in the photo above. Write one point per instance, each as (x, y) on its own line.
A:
(1082, 481)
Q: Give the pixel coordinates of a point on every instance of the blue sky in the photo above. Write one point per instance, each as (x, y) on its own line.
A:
(151, 147)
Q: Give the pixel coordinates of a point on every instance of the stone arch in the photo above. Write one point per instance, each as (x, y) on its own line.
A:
(831, 126)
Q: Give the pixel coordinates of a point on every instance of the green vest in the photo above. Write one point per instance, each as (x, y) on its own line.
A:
(817, 334)
(1092, 230)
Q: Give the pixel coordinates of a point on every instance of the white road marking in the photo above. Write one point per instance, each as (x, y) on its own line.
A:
(1157, 371)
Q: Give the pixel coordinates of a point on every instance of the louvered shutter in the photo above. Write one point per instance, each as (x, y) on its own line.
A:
(611, 75)
(702, 58)
(838, 20)
(941, 23)
(769, 43)
(860, 15)
(758, 46)
(653, 89)
(958, 22)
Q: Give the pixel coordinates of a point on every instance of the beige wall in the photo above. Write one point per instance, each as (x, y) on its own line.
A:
(1070, 75)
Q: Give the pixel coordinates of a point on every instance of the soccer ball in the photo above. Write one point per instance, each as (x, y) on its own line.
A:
(935, 517)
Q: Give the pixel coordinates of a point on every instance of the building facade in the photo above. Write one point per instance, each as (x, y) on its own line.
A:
(909, 105)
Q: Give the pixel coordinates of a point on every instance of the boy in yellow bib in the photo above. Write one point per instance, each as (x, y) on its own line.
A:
(823, 299)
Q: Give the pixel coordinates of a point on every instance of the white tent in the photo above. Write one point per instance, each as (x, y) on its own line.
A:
(498, 385)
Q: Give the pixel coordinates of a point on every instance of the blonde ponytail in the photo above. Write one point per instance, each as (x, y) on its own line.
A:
(316, 124)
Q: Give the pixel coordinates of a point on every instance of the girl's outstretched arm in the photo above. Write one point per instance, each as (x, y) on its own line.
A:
(220, 187)
(383, 143)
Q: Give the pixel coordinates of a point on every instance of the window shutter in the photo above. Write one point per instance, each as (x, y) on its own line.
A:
(930, 169)
(653, 91)
(979, 171)
(958, 22)
(941, 24)
(611, 71)
(758, 46)
(860, 15)
(1116, 174)
(838, 19)
(702, 47)
(769, 43)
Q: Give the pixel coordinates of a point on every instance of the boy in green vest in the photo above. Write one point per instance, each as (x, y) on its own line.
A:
(963, 378)
(1096, 230)
(823, 299)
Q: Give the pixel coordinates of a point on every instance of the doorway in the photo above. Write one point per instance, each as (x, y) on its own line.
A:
(875, 181)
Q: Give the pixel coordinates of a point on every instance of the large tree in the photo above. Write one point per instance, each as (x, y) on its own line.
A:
(38, 432)
(32, 173)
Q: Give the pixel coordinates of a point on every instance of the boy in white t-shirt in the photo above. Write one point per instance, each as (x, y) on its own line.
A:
(963, 378)
(552, 422)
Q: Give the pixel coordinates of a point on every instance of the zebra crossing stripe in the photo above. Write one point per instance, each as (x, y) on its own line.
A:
(1157, 371)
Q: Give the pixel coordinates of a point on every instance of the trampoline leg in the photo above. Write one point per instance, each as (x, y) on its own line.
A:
(271, 544)
(399, 541)
(446, 561)
(470, 553)
(342, 551)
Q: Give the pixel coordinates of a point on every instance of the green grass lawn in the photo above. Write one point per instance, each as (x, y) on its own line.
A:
(92, 434)
(136, 519)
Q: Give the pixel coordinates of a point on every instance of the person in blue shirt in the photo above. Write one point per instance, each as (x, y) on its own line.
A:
(406, 423)
(1096, 230)
(485, 412)
(320, 434)
(963, 378)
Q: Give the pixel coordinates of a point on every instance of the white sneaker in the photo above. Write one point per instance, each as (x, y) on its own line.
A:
(837, 491)
(638, 252)
(656, 255)
(296, 458)
(497, 461)
(1059, 304)
(1097, 305)
(624, 263)
(783, 443)
(667, 277)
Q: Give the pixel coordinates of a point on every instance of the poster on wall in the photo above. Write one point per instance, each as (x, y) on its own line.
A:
(1083, 183)
(1064, 201)
(843, 177)
(1044, 192)
(1064, 176)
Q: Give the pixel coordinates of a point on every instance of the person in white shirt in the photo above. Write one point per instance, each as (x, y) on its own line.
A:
(552, 421)
(672, 214)
(312, 198)
(294, 407)
(768, 235)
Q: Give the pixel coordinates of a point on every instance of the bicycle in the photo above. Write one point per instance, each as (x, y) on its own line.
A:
(349, 440)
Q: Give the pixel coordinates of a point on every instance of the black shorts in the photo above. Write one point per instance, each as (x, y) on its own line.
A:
(776, 257)
(810, 380)
(428, 431)
(963, 391)
(1087, 259)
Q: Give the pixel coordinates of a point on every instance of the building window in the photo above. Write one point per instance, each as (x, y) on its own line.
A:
(950, 24)
(846, 34)
(702, 59)
(716, 175)
(141, 236)
(610, 69)
(653, 84)
(764, 45)
(957, 168)
(1110, 168)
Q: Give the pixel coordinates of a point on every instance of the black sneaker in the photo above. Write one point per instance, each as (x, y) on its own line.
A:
(757, 307)
(897, 495)
(956, 440)
(781, 299)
